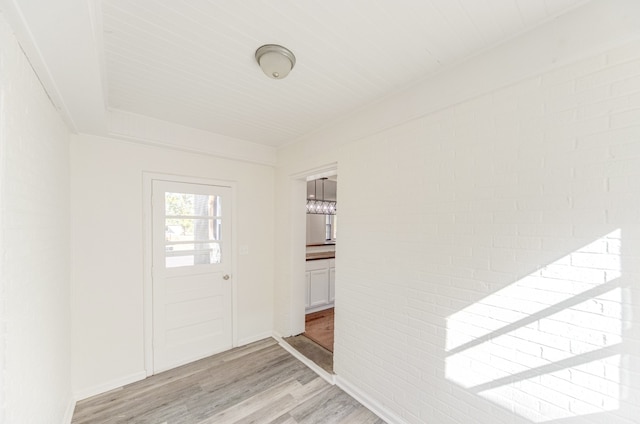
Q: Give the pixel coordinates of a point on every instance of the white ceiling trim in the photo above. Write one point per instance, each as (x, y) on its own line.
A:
(156, 132)
(71, 61)
(585, 32)
(30, 48)
(59, 39)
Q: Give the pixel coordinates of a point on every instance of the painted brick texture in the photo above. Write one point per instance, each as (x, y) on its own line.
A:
(489, 255)
(35, 384)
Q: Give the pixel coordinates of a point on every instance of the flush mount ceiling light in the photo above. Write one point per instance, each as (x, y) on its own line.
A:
(276, 61)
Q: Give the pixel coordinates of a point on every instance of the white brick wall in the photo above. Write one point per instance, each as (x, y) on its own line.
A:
(499, 280)
(35, 384)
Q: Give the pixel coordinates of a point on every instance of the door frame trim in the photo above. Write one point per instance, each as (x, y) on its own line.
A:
(147, 248)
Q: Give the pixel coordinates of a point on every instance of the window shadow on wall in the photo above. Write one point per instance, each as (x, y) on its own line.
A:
(549, 346)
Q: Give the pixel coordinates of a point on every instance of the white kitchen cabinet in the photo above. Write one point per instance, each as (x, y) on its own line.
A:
(318, 288)
(320, 281)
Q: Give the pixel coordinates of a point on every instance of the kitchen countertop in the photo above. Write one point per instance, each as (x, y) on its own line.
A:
(314, 256)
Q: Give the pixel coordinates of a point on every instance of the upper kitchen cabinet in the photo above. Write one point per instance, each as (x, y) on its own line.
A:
(322, 189)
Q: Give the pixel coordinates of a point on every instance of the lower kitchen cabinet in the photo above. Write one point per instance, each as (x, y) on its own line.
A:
(320, 280)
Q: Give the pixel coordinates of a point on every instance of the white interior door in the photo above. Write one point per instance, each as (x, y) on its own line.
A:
(192, 291)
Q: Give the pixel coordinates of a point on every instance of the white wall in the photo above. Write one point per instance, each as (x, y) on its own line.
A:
(107, 247)
(35, 328)
(501, 281)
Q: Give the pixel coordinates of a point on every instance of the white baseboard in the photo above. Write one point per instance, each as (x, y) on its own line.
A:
(352, 390)
(116, 384)
(329, 378)
(372, 405)
(255, 338)
(68, 414)
(111, 385)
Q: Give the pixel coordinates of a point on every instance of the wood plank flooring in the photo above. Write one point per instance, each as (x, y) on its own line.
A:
(319, 327)
(257, 383)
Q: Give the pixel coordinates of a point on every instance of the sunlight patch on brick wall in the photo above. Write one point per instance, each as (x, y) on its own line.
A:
(547, 346)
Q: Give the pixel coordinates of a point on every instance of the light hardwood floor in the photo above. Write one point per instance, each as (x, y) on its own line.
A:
(319, 327)
(257, 383)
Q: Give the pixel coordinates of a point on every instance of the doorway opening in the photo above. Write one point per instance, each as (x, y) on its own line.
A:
(317, 340)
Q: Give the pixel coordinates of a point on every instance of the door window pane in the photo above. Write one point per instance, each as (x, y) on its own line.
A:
(187, 204)
(193, 225)
(189, 229)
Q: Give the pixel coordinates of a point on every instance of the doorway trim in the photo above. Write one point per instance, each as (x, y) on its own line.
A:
(147, 248)
(298, 232)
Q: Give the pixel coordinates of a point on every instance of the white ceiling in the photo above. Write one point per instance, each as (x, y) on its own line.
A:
(191, 62)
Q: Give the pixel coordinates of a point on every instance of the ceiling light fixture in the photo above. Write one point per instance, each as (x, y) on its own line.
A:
(276, 61)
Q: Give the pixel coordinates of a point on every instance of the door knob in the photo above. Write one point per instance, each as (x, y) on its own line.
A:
(225, 277)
